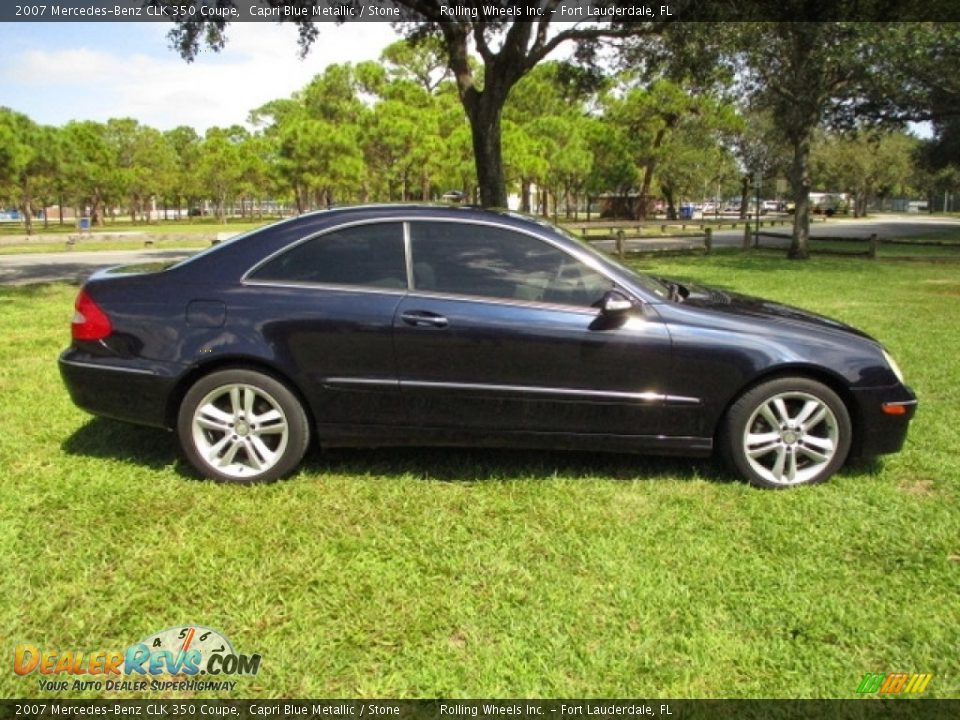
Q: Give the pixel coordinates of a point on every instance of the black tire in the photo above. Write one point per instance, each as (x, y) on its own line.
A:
(808, 443)
(253, 428)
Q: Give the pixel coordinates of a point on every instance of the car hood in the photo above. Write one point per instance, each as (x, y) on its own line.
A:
(746, 306)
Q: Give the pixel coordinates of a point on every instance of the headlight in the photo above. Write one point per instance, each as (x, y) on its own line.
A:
(893, 366)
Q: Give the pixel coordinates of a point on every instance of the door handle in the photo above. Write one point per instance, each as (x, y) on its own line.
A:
(422, 318)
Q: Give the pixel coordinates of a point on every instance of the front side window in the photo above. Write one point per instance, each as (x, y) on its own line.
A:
(465, 259)
(368, 255)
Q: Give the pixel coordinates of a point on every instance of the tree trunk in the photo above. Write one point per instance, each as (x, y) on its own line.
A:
(648, 171)
(525, 195)
(27, 207)
(487, 149)
(744, 196)
(671, 205)
(97, 218)
(298, 191)
(800, 180)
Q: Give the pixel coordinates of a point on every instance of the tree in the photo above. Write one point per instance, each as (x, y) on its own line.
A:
(89, 167)
(154, 169)
(652, 115)
(423, 62)
(27, 159)
(547, 134)
(817, 74)
(401, 134)
(144, 163)
(763, 154)
(316, 134)
(864, 164)
(220, 165)
(693, 162)
(508, 50)
(185, 143)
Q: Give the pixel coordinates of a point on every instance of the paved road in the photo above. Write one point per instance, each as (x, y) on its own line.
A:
(73, 266)
(77, 265)
(886, 226)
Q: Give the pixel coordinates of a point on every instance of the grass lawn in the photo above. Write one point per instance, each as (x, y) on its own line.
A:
(478, 573)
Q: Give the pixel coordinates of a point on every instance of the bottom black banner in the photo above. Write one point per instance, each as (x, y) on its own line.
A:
(486, 709)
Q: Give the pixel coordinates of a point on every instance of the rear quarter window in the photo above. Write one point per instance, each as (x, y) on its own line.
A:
(363, 255)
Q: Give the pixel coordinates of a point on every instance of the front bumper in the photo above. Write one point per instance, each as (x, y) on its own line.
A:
(877, 431)
(127, 392)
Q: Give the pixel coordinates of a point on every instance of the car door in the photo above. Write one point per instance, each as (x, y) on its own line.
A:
(501, 330)
(328, 305)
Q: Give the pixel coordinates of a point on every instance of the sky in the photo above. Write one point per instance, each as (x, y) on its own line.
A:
(56, 72)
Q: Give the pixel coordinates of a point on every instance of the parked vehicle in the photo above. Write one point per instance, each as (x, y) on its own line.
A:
(434, 325)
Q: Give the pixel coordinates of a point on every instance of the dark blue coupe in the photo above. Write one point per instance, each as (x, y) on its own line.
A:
(425, 325)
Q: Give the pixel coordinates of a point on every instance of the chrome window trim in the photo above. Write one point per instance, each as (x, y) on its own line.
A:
(509, 302)
(326, 231)
(585, 259)
(368, 289)
(408, 256)
(406, 220)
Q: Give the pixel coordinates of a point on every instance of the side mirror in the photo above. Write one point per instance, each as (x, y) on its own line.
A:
(615, 303)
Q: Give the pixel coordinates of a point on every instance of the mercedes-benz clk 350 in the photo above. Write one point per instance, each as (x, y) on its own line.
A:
(439, 325)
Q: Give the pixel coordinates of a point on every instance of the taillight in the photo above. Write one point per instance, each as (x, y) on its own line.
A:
(89, 321)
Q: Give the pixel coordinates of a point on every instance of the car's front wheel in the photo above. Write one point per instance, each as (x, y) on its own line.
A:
(787, 432)
(242, 426)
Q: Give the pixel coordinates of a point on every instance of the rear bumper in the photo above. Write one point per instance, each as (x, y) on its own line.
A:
(125, 391)
(879, 432)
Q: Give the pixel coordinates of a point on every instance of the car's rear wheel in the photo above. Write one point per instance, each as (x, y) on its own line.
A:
(787, 432)
(242, 426)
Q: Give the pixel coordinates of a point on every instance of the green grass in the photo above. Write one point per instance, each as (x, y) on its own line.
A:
(380, 573)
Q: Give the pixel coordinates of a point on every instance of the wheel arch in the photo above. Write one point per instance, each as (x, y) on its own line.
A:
(810, 372)
(232, 363)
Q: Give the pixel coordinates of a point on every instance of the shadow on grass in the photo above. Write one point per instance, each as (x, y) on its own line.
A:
(157, 449)
(112, 440)
(467, 465)
(864, 466)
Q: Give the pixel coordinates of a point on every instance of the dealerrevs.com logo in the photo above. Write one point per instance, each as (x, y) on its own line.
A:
(172, 659)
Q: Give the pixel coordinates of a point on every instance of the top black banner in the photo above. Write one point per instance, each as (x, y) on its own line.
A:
(571, 11)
